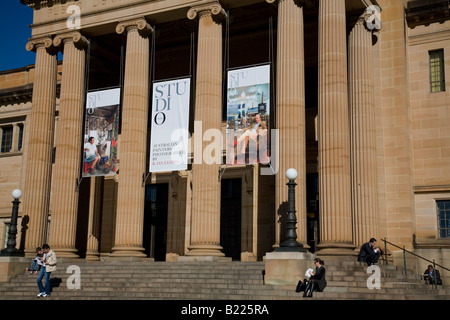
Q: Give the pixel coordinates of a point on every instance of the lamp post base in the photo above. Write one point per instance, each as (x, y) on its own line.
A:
(11, 252)
(291, 247)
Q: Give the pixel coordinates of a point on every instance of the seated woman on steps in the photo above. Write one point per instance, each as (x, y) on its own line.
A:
(317, 281)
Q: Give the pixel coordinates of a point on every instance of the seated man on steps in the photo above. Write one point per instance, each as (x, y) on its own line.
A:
(368, 253)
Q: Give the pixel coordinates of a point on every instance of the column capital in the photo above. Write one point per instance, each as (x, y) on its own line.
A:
(213, 8)
(76, 37)
(35, 43)
(369, 20)
(300, 3)
(139, 24)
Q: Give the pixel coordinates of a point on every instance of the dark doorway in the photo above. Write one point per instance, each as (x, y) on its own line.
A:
(230, 218)
(155, 221)
(312, 194)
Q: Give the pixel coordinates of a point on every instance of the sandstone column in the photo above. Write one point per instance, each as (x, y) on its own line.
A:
(68, 145)
(363, 135)
(95, 206)
(334, 132)
(40, 145)
(290, 110)
(205, 229)
(133, 140)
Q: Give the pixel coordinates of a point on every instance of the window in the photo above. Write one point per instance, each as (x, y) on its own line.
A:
(437, 73)
(443, 211)
(7, 134)
(11, 138)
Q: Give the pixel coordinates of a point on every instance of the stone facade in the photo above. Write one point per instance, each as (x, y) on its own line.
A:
(353, 110)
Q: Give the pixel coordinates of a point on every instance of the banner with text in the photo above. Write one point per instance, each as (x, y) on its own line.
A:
(170, 125)
(248, 115)
(101, 130)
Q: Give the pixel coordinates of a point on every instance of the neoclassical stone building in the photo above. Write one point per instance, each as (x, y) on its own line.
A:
(360, 108)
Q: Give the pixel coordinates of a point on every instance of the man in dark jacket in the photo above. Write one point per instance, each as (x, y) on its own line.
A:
(369, 253)
(431, 275)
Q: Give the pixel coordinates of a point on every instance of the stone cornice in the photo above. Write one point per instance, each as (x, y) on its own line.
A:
(213, 8)
(16, 94)
(432, 189)
(76, 37)
(141, 25)
(429, 13)
(37, 4)
(20, 94)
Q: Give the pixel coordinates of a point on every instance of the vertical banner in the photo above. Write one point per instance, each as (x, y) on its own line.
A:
(248, 115)
(100, 133)
(170, 125)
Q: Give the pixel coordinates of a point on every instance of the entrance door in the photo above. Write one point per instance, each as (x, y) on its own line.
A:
(230, 218)
(155, 221)
(312, 194)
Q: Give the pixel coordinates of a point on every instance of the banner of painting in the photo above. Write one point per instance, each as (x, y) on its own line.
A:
(170, 125)
(100, 133)
(248, 115)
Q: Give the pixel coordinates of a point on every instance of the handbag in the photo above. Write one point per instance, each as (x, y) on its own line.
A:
(301, 286)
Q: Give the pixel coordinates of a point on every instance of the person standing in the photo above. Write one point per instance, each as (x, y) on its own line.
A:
(49, 265)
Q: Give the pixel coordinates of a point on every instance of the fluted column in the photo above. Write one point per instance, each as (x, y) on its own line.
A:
(334, 132)
(205, 227)
(68, 145)
(95, 204)
(133, 141)
(40, 145)
(363, 135)
(290, 108)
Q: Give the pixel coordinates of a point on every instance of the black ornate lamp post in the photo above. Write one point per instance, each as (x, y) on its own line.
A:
(11, 249)
(291, 244)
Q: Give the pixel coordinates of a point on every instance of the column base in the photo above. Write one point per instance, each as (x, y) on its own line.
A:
(202, 258)
(248, 256)
(66, 253)
(336, 249)
(205, 250)
(92, 256)
(127, 252)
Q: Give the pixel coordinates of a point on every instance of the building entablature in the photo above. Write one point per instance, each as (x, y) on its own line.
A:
(426, 12)
(97, 17)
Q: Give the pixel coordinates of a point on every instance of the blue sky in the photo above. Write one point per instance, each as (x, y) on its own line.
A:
(15, 19)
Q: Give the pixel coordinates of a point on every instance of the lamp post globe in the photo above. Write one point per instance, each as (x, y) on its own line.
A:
(17, 194)
(291, 174)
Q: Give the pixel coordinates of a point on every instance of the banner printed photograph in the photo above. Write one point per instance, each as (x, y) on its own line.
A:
(170, 125)
(248, 115)
(101, 132)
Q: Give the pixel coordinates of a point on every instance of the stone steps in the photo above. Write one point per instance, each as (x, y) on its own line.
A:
(135, 280)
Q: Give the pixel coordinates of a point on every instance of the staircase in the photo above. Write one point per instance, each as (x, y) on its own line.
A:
(145, 280)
